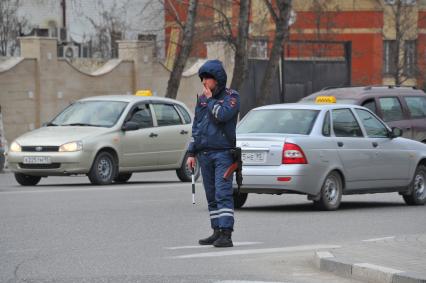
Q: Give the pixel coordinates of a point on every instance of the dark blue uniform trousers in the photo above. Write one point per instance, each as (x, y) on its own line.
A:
(218, 190)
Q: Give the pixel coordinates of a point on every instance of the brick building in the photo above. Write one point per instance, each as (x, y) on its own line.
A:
(368, 24)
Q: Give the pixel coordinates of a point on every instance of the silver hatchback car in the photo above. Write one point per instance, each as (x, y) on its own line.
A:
(107, 138)
(325, 151)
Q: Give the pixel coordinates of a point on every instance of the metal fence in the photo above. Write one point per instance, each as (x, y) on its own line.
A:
(300, 74)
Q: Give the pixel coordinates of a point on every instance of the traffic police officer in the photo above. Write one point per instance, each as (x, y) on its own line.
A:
(213, 135)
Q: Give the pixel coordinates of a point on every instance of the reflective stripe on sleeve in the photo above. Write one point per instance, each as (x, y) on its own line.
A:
(216, 109)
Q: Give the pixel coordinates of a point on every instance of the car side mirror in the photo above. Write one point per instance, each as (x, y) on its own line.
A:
(130, 126)
(395, 133)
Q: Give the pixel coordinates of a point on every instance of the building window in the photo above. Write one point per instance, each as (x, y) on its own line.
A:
(389, 56)
(223, 8)
(258, 49)
(410, 58)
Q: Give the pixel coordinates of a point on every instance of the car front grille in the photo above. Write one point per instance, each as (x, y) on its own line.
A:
(41, 148)
(40, 166)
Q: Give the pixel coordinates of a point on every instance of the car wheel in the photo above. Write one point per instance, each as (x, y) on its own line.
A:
(123, 177)
(239, 199)
(27, 180)
(185, 174)
(417, 190)
(331, 192)
(103, 169)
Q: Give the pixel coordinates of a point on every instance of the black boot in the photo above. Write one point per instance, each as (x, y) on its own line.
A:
(224, 240)
(210, 240)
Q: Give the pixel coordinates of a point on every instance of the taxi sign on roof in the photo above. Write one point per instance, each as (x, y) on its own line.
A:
(325, 99)
(144, 92)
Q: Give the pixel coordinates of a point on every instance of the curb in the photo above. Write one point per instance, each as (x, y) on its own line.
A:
(367, 272)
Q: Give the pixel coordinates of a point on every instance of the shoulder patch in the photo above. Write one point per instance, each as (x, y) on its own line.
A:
(231, 91)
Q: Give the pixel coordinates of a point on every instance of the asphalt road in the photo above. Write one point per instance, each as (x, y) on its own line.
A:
(65, 230)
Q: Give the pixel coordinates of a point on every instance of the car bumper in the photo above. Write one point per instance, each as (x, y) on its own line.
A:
(62, 163)
(295, 178)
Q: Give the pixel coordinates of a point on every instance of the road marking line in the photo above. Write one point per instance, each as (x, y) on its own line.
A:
(209, 246)
(243, 281)
(379, 239)
(260, 251)
(324, 254)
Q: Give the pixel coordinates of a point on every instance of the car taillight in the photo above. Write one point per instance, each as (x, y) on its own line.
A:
(293, 154)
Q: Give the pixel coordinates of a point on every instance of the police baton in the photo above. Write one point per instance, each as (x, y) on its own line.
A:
(193, 186)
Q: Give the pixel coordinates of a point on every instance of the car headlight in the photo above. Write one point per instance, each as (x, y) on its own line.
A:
(71, 146)
(15, 147)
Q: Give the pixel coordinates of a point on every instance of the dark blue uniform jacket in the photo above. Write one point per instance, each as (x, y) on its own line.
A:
(215, 118)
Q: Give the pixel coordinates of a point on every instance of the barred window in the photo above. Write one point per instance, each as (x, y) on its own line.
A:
(410, 58)
(258, 49)
(389, 56)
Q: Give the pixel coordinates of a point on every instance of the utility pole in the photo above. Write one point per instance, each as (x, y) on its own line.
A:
(64, 13)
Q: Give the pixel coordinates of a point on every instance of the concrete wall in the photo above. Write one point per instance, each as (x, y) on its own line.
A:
(37, 86)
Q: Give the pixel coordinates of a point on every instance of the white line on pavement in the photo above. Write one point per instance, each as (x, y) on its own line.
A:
(242, 281)
(208, 246)
(379, 239)
(260, 251)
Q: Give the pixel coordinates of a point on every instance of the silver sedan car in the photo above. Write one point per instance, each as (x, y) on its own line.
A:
(325, 151)
(106, 138)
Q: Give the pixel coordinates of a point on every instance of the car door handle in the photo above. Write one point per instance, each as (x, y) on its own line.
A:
(375, 144)
(152, 135)
(183, 132)
(340, 144)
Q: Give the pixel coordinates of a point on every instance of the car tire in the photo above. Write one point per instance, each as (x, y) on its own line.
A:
(239, 199)
(103, 169)
(185, 174)
(331, 192)
(27, 180)
(122, 177)
(417, 188)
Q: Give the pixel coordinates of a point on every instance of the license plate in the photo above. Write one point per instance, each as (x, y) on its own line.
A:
(256, 157)
(37, 160)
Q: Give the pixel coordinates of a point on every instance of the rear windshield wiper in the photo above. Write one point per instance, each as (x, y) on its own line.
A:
(50, 124)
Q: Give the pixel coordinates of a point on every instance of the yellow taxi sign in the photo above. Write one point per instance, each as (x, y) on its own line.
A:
(325, 99)
(144, 92)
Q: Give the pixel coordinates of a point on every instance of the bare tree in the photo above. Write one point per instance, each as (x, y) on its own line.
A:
(324, 22)
(399, 41)
(11, 26)
(280, 14)
(109, 27)
(185, 48)
(223, 29)
(241, 45)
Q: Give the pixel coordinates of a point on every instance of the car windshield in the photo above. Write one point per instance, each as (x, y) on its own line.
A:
(90, 113)
(282, 121)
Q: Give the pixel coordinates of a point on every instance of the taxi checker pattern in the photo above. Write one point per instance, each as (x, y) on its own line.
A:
(213, 128)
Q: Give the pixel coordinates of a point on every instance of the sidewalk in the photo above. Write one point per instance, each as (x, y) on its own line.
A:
(397, 259)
